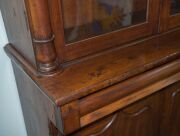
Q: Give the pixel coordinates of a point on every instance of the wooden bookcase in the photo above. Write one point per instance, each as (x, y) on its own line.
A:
(96, 67)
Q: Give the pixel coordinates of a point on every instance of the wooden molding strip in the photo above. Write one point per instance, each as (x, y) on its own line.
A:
(44, 41)
(106, 110)
(23, 63)
(15, 56)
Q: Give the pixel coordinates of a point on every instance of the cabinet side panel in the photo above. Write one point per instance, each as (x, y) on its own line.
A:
(17, 27)
(38, 109)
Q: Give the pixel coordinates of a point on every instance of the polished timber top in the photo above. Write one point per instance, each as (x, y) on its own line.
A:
(91, 74)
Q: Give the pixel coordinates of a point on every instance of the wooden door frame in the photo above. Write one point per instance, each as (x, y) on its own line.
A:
(168, 21)
(68, 52)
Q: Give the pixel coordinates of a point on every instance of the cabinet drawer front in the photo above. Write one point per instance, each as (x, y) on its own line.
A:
(85, 27)
(139, 119)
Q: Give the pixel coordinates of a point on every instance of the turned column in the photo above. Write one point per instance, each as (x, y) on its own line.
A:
(43, 37)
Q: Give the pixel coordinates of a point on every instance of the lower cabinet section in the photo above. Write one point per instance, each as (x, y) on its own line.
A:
(156, 115)
(170, 124)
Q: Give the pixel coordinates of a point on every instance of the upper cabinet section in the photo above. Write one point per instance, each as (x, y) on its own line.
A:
(84, 27)
(84, 19)
(170, 15)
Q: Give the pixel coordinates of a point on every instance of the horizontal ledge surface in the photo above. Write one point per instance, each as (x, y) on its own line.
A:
(90, 75)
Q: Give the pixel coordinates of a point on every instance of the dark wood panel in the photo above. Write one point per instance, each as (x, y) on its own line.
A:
(171, 111)
(139, 119)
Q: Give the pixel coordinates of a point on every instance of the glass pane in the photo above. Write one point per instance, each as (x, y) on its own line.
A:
(87, 18)
(175, 7)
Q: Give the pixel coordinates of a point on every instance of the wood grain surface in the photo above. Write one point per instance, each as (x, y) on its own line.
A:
(90, 75)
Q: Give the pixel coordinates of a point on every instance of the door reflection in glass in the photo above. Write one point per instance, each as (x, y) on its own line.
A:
(175, 7)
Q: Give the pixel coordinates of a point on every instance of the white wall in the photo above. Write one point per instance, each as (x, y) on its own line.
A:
(11, 118)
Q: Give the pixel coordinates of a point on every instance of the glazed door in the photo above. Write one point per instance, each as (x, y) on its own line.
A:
(89, 26)
(170, 15)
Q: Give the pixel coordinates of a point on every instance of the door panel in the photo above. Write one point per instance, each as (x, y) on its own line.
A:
(139, 119)
(170, 125)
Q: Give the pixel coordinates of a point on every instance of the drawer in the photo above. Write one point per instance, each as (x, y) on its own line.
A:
(141, 118)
